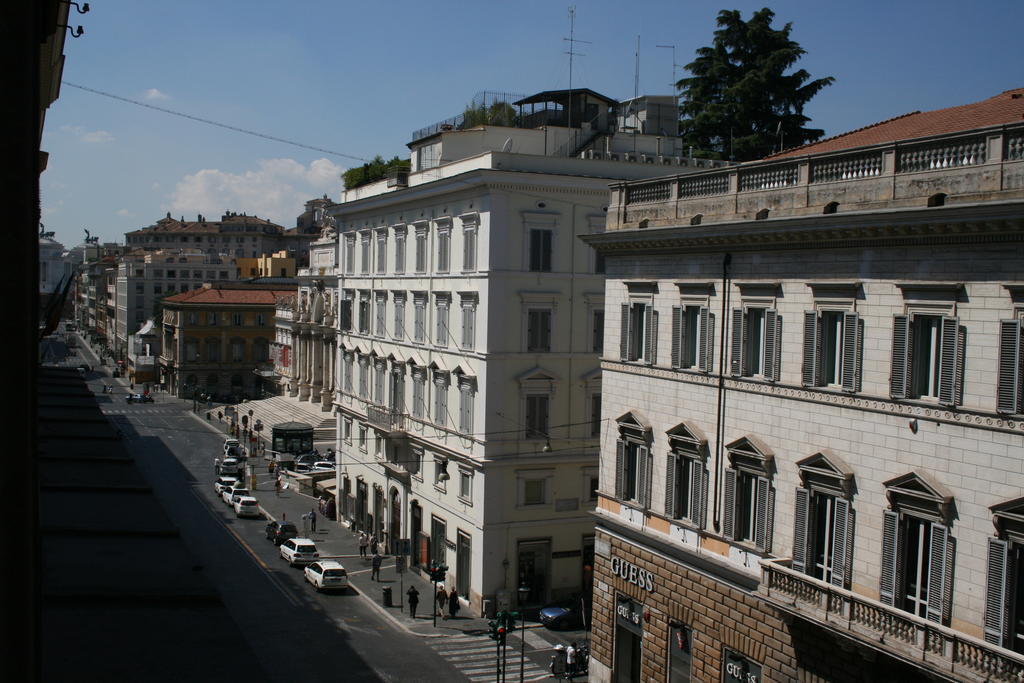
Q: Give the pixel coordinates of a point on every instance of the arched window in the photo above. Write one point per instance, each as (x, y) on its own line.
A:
(212, 351)
(237, 350)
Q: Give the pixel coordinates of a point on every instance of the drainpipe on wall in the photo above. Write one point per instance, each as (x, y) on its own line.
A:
(719, 426)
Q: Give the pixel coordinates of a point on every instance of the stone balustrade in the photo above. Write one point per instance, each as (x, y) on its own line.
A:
(975, 164)
(906, 635)
(391, 420)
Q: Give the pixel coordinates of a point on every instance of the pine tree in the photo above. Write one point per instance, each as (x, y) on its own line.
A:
(739, 102)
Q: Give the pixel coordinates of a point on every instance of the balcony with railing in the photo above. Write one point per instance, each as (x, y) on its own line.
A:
(902, 634)
(385, 418)
(972, 164)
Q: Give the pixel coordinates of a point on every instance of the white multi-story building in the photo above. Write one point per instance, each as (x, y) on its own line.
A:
(470, 323)
(811, 465)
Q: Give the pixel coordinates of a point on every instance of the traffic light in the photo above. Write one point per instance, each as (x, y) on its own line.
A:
(501, 635)
(437, 572)
(492, 630)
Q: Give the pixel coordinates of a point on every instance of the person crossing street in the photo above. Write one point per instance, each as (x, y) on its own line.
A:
(414, 600)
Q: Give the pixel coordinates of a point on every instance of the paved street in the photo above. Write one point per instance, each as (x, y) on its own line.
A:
(297, 633)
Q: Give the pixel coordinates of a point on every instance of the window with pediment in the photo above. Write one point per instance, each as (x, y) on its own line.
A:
(686, 477)
(823, 519)
(749, 496)
(1004, 586)
(633, 460)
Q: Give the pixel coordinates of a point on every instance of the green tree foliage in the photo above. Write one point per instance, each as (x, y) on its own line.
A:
(498, 114)
(739, 102)
(375, 170)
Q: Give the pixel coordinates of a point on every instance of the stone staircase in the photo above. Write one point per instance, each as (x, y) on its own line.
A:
(277, 409)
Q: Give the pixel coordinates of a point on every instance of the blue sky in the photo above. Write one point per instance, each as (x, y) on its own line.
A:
(359, 77)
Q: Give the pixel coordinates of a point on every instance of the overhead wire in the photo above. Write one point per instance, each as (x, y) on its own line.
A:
(215, 123)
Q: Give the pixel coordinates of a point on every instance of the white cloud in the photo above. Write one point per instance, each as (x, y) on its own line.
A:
(90, 136)
(154, 94)
(124, 212)
(276, 189)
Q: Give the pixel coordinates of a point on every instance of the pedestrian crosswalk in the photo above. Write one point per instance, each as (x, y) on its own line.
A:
(140, 409)
(475, 657)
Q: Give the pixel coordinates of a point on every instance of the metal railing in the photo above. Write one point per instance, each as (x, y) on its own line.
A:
(386, 418)
(965, 657)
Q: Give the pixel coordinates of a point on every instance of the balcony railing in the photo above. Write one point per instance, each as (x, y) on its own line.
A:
(906, 634)
(385, 418)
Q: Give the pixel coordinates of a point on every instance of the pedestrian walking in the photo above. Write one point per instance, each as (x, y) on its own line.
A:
(312, 520)
(277, 486)
(270, 467)
(363, 542)
(570, 659)
(453, 603)
(375, 563)
(414, 600)
(442, 601)
(373, 544)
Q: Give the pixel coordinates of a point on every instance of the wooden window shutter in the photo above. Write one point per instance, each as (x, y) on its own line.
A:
(772, 344)
(937, 572)
(995, 592)
(761, 532)
(620, 469)
(643, 466)
(949, 363)
(1008, 394)
(739, 329)
(671, 509)
(706, 343)
(678, 335)
(624, 338)
(801, 515)
(841, 537)
(890, 548)
(810, 371)
(899, 380)
(696, 491)
(651, 328)
(729, 513)
(851, 352)
(704, 476)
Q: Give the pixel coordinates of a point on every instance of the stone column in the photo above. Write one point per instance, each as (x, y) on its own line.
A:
(327, 393)
(303, 364)
(316, 365)
(293, 363)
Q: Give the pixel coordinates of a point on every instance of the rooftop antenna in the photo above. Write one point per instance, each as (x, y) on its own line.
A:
(675, 91)
(636, 71)
(572, 40)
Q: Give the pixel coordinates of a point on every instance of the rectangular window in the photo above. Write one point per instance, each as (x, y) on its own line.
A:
(693, 331)
(236, 319)
(211, 318)
(419, 404)
(823, 529)
(639, 338)
(364, 312)
(466, 485)
(347, 426)
(469, 324)
(632, 472)
(420, 317)
(467, 393)
(350, 254)
(469, 248)
(441, 331)
(756, 344)
(686, 486)
(444, 237)
(927, 358)
(399, 250)
(364, 256)
(381, 313)
(364, 371)
(261, 319)
(1004, 594)
(540, 250)
(536, 421)
(748, 508)
(1010, 392)
(440, 398)
(595, 414)
(421, 250)
(534, 491)
(399, 325)
(538, 330)
(832, 349)
(916, 556)
(380, 373)
(382, 251)
(349, 371)
(363, 434)
(345, 311)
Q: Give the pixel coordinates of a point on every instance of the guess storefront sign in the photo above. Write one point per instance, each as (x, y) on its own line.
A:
(632, 573)
(629, 614)
(739, 669)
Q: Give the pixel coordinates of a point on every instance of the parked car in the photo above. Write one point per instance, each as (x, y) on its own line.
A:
(324, 466)
(326, 575)
(230, 466)
(298, 551)
(306, 459)
(247, 506)
(566, 614)
(230, 494)
(139, 398)
(223, 482)
(83, 367)
(279, 532)
(230, 443)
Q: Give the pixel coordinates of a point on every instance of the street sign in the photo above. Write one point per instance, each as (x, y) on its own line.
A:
(400, 564)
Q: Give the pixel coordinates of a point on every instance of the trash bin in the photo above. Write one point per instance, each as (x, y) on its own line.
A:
(387, 596)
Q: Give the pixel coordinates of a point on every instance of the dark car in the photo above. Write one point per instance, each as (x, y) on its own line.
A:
(279, 532)
(84, 367)
(139, 398)
(565, 615)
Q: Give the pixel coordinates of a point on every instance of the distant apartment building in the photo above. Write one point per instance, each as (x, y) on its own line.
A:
(813, 411)
(469, 323)
(216, 338)
(266, 265)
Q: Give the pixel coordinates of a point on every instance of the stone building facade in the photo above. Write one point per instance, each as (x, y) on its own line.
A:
(813, 379)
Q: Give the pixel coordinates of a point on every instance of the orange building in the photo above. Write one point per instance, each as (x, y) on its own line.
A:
(216, 339)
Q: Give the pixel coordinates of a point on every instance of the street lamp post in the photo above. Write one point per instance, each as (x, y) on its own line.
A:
(524, 593)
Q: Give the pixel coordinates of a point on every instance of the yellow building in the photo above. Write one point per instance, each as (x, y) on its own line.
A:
(217, 337)
(267, 265)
